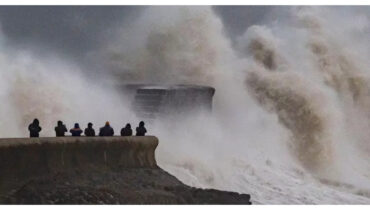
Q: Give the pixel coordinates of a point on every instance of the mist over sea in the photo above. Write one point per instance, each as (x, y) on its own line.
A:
(291, 113)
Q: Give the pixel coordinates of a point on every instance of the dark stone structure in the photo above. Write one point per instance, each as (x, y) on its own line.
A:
(94, 170)
(154, 101)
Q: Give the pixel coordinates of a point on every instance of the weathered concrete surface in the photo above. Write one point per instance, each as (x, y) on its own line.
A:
(154, 102)
(24, 158)
(94, 170)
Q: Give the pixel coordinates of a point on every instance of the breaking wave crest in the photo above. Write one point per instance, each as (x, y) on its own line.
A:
(290, 122)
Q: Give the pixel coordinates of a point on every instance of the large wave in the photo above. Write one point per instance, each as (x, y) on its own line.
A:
(290, 122)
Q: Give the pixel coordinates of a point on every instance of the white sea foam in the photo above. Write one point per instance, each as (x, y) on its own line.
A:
(290, 121)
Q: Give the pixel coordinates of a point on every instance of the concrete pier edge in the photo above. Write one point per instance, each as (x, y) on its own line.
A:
(24, 158)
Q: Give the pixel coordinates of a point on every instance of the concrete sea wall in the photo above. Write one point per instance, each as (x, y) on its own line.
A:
(24, 158)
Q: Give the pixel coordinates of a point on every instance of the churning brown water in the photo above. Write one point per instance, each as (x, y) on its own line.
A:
(290, 122)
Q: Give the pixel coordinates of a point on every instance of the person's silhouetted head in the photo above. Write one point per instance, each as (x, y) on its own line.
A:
(60, 123)
(128, 125)
(106, 130)
(141, 130)
(89, 125)
(36, 121)
(34, 128)
(77, 125)
(141, 124)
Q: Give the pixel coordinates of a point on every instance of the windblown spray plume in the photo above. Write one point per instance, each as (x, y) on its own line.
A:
(290, 122)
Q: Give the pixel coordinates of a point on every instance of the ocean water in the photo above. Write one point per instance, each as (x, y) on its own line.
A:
(290, 120)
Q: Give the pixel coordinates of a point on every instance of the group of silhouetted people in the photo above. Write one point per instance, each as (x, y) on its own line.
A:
(106, 130)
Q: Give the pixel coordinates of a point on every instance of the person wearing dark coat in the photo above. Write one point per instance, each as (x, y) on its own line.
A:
(126, 131)
(76, 131)
(89, 131)
(141, 130)
(60, 129)
(34, 128)
(106, 130)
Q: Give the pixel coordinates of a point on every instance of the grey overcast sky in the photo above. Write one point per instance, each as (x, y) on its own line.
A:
(66, 29)
(75, 30)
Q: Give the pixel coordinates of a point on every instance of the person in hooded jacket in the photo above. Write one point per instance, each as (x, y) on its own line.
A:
(34, 128)
(126, 131)
(106, 130)
(89, 131)
(76, 131)
(141, 130)
(60, 129)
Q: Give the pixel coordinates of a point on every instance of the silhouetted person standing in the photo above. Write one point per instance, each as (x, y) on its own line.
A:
(141, 130)
(106, 130)
(126, 131)
(89, 131)
(34, 128)
(76, 131)
(60, 129)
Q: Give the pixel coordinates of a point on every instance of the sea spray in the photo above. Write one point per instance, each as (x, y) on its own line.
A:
(290, 117)
(51, 89)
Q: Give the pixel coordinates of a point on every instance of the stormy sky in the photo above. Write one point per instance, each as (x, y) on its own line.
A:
(77, 29)
(66, 29)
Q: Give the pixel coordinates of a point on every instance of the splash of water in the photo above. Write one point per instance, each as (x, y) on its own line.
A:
(290, 118)
(51, 89)
(273, 111)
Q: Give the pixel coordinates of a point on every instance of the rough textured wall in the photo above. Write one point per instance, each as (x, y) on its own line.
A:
(154, 102)
(24, 158)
